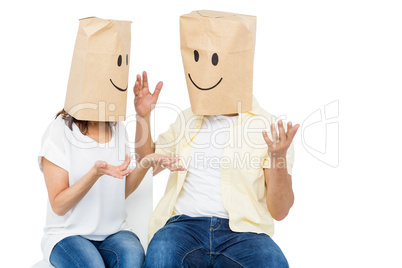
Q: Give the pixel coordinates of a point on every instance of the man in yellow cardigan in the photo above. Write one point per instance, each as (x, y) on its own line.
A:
(220, 211)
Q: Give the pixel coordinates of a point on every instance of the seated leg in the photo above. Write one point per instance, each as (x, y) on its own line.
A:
(250, 250)
(75, 251)
(177, 244)
(122, 249)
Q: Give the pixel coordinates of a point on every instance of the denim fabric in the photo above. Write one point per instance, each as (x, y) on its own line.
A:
(122, 249)
(208, 242)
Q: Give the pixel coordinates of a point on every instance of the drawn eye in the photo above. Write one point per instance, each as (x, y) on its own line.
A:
(215, 59)
(196, 55)
(119, 59)
(126, 59)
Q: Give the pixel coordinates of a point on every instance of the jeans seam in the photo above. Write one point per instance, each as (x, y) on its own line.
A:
(76, 263)
(182, 260)
(115, 253)
(232, 259)
(220, 223)
(179, 216)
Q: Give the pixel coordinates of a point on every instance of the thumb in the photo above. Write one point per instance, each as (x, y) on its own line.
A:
(100, 164)
(157, 91)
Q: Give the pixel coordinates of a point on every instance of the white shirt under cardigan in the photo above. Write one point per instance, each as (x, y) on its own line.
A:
(101, 212)
(201, 193)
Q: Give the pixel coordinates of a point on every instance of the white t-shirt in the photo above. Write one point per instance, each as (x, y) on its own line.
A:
(201, 193)
(101, 212)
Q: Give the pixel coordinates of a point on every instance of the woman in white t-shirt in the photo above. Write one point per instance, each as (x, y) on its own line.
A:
(86, 169)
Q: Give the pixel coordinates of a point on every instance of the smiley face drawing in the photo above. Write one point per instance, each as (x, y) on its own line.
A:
(119, 63)
(214, 60)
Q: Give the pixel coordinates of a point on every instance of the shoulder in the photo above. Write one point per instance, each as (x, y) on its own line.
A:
(54, 146)
(55, 129)
(186, 113)
(259, 112)
(183, 117)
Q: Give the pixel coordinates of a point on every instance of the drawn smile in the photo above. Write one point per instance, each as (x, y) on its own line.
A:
(121, 89)
(200, 88)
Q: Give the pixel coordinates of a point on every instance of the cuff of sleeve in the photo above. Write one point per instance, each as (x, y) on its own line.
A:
(53, 154)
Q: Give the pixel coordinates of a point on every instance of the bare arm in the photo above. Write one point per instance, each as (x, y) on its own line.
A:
(62, 196)
(144, 102)
(280, 197)
(144, 144)
(155, 161)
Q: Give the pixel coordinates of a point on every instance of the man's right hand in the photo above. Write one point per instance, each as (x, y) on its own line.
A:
(144, 101)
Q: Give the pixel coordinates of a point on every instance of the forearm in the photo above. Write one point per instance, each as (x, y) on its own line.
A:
(143, 140)
(134, 179)
(70, 197)
(280, 195)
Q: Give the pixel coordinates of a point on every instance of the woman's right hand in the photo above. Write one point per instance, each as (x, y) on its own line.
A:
(103, 168)
(144, 101)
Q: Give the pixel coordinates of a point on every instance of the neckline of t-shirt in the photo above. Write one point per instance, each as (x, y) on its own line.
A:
(75, 127)
(233, 118)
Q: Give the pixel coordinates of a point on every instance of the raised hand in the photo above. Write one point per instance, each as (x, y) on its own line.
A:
(145, 101)
(279, 144)
(103, 168)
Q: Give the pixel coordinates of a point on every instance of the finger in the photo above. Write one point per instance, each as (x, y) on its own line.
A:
(282, 134)
(136, 88)
(157, 91)
(295, 128)
(145, 79)
(266, 138)
(139, 81)
(126, 162)
(140, 86)
(289, 133)
(274, 135)
(120, 174)
(166, 162)
(126, 172)
(176, 168)
(171, 159)
(115, 174)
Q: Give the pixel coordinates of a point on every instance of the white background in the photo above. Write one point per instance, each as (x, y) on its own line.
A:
(308, 54)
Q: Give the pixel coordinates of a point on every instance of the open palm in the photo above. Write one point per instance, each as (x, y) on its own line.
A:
(145, 101)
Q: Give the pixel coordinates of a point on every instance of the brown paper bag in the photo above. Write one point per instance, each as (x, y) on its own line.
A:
(97, 86)
(218, 54)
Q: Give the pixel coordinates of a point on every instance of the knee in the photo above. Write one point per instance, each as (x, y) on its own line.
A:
(163, 251)
(273, 258)
(123, 250)
(73, 252)
(279, 260)
(131, 258)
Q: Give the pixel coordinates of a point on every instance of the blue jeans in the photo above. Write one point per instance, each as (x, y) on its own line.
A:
(122, 249)
(208, 242)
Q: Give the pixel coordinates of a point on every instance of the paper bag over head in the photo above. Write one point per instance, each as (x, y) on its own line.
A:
(217, 49)
(97, 86)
